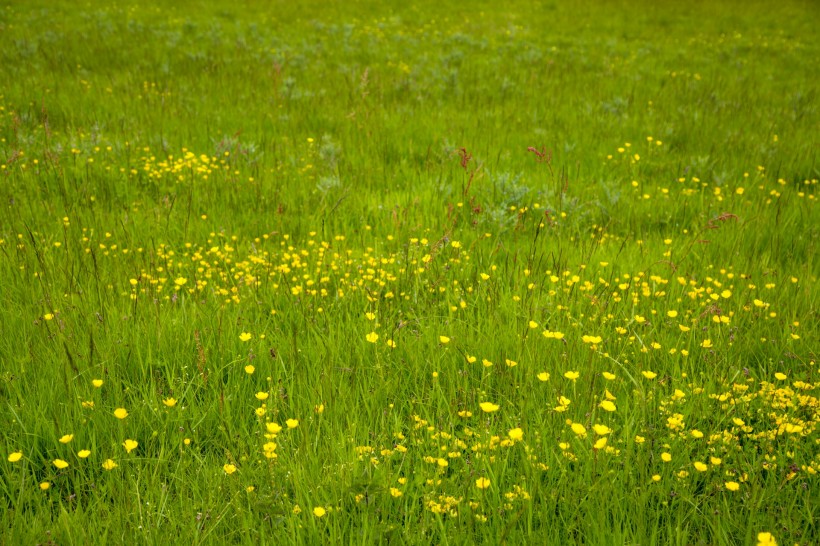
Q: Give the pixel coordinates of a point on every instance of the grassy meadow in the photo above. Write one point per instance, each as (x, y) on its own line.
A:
(409, 272)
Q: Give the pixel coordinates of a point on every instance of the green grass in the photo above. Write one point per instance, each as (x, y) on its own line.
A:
(176, 176)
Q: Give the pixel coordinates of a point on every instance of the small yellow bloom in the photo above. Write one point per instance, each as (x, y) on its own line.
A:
(229, 468)
(319, 511)
(666, 457)
(97, 383)
(372, 337)
(482, 483)
(543, 376)
(44, 486)
(129, 445)
(488, 407)
(572, 375)
(245, 336)
(249, 369)
(715, 460)
(601, 430)
(292, 423)
(444, 340)
(732, 486)
(66, 438)
(16, 456)
(170, 402)
(600, 443)
(706, 343)
(608, 376)
(61, 464)
(395, 492)
(766, 539)
(83, 453)
(780, 376)
(579, 429)
(120, 413)
(671, 313)
(516, 434)
(273, 428)
(649, 375)
(656, 478)
(261, 395)
(607, 405)
(109, 464)
(700, 467)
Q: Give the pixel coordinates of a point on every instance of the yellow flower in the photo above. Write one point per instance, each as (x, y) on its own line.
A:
(245, 336)
(606, 405)
(488, 407)
(510, 363)
(48, 316)
(261, 396)
(44, 486)
(129, 445)
(666, 457)
(780, 376)
(16, 456)
(543, 376)
(444, 340)
(600, 443)
(608, 376)
(732, 486)
(180, 281)
(120, 413)
(170, 402)
(766, 539)
(109, 464)
(319, 511)
(591, 339)
(372, 337)
(392, 344)
(97, 383)
(249, 369)
(683, 328)
(482, 483)
(83, 453)
(649, 375)
(601, 430)
(572, 375)
(656, 478)
(516, 434)
(395, 493)
(486, 363)
(671, 313)
(250, 489)
(706, 343)
(532, 324)
(370, 316)
(715, 460)
(66, 438)
(579, 429)
(292, 423)
(273, 428)
(700, 467)
(61, 464)
(229, 468)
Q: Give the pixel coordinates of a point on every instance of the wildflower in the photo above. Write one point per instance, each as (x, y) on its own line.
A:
(120, 413)
(607, 405)
(83, 453)
(543, 376)
(59, 463)
(715, 460)
(486, 363)
(666, 457)
(395, 492)
(97, 383)
(109, 465)
(180, 281)
(444, 340)
(16, 456)
(482, 483)
(129, 445)
(44, 486)
(510, 363)
(170, 402)
(250, 489)
(273, 428)
(732, 486)
(700, 467)
(671, 313)
(516, 434)
(245, 336)
(707, 343)
(579, 429)
(780, 376)
(656, 478)
(608, 376)
(392, 344)
(319, 511)
(488, 407)
(372, 337)
(249, 369)
(48, 316)
(229, 468)
(600, 443)
(292, 423)
(66, 438)
(649, 375)
(766, 539)
(261, 396)
(591, 339)
(572, 376)
(601, 430)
